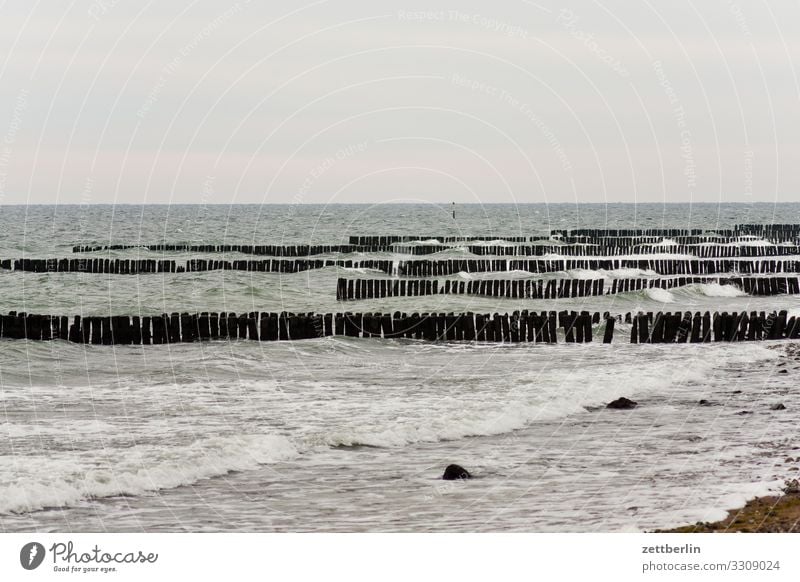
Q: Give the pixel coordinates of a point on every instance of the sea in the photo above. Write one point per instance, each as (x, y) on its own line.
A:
(352, 435)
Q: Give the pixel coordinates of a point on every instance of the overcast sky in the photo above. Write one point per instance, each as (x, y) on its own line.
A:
(122, 101)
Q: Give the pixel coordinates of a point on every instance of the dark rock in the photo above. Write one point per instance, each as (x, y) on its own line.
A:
(743, 412)
(704, 402)
(455, 472)
(783, 371)
(778, 406)
(622, 404)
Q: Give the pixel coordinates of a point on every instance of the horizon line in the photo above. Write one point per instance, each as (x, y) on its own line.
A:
(3, 204)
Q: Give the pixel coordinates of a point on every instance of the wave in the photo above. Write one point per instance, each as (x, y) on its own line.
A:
(659, 295)
(420, 242)
(491, 275)
(442, 429)
(713, 290)
(538, 396)
(666, 242)
(747, 241)
(363, 270)
(454, 250)
(691, 290)
(743, 241)
(624, 273)
(453, 424)
(72, 429)
(498, 242)
(38, 482)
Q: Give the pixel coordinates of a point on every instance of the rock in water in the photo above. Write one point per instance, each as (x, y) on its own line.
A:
(455, 472)
(622, 404)
(779, 406)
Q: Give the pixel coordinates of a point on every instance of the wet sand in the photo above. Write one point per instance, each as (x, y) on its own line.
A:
(772, 514)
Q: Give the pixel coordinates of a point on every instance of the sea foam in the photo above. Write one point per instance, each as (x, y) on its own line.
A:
(35, 482)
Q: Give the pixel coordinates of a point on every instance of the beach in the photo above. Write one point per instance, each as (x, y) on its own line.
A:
(770, 514)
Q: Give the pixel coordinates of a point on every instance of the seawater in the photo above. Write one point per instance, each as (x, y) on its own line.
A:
(342, 434)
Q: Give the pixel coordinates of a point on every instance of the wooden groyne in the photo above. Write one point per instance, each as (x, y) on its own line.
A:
(596, 250)
(116, 266)
(359, 289)
(517, 327)
(144, 266)
(407, 268)
(265, 250)
(572, 250)
(432, 268)
(603, 237)
(612, 248)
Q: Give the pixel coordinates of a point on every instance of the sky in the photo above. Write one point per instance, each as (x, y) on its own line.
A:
(122, 101)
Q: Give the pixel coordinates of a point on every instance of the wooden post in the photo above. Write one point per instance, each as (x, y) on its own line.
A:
(608, 336)
(644, 334)
(146, 330)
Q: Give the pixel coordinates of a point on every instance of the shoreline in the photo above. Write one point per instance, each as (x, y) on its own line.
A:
(778, 513)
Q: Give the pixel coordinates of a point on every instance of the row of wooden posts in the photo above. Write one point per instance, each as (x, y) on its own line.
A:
(600, 239)
(519, 326)
(727, 327)
(407, 268)
(760, 230)
(265, 250)
(767, 229)
(558, 233)
(359, 289)
(720, 251)
(538, 250)
(433, 268)
(144, 266)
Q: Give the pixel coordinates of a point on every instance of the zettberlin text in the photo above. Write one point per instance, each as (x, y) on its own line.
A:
(667, 549)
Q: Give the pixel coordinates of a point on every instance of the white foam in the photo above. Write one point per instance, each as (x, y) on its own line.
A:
(451, 426)
(454, 250)
(71, 429)
(494, 243)
(752, 241)
(666, 242)
(631, 273)
(624, 273)
(429, 241)
(490, 275)
(363, 271)
(535, 396)
(32, 482)
(716, 290)
(659, 295)
(583, 274)
(519, 274)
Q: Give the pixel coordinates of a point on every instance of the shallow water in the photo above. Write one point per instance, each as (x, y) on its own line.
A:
(352, 435)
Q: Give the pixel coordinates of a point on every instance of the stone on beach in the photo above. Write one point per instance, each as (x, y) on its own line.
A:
(455, 472)
(622, 404)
